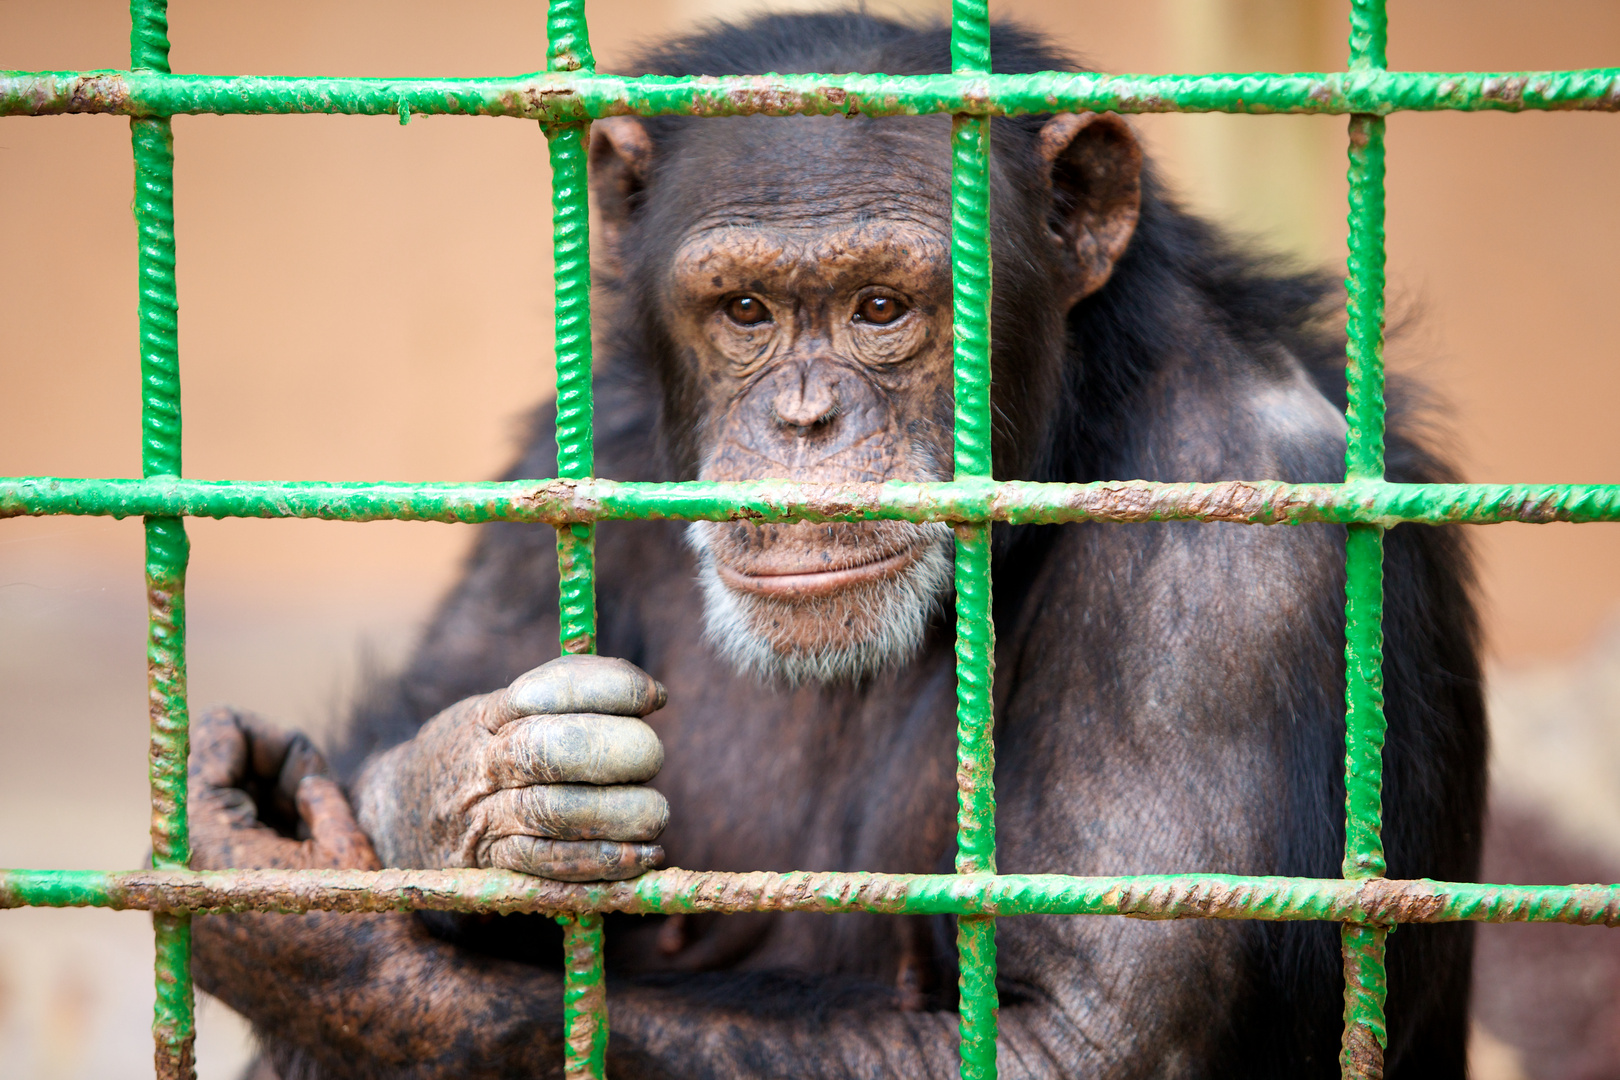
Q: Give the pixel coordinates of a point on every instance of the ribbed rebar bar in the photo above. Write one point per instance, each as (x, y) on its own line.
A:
(570, 97)
(1361, 1054)
(576, 542)
(971, 273)
(585, 1012)
(1368, 901)
(167, 550)
(554, 502)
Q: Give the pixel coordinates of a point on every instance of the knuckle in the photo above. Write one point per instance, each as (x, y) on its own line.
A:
(585, 684)
(589, 749)
(573, 860)
(619, 812)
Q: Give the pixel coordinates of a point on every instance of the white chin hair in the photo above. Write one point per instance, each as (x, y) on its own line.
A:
(897, 609)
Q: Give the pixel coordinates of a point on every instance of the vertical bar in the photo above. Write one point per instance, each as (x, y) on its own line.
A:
(576, 544)
(167, 550)
(584, 995)
(975, 632)
(585, 1017)
(1361, 1055)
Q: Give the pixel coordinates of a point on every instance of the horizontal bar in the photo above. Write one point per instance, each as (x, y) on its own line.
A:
(562, 97)
(563, 502)
(1178, 896)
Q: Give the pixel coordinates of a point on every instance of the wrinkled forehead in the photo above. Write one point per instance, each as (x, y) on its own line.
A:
(817, 173)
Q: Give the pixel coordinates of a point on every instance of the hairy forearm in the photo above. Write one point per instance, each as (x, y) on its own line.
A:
(375, 997)
(378, 998)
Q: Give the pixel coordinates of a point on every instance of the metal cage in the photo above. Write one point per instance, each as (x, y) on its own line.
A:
(564, 99)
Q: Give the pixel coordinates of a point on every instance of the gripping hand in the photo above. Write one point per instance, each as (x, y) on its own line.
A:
(544, 777)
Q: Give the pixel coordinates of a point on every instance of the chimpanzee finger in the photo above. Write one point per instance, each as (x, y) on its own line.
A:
(335, 835)
(580, 684)
(277, 760)
(572, 860)
(219, 750)
(625, 812)
(574, 748)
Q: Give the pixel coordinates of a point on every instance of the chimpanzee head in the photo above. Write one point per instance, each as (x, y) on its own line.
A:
(788, 280)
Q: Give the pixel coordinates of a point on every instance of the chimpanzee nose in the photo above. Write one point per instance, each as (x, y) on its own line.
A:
(806, 404)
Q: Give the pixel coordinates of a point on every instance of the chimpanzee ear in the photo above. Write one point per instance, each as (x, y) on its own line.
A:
(620, 156)
(1095, 169)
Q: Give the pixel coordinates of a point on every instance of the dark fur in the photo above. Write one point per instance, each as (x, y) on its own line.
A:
(1185, 320)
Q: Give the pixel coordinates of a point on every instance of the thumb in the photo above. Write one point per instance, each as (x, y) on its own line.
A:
(335, 837)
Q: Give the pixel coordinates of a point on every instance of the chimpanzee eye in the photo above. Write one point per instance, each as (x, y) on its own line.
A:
(880, 310)
(747, 311)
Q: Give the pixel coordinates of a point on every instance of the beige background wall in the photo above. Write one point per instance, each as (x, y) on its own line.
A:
(365, 301)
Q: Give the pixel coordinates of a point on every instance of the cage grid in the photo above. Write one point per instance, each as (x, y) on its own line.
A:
(564, 99)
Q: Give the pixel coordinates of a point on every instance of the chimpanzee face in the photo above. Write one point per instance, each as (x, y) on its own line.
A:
(816, 325)
(798, 273)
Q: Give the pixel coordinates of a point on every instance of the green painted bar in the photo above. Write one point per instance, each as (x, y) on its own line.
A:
(572, 97)
(1364, 702)
(576, 543)
(1366, 985)
(971, 273)
(1361, 1055)
(1378, 901)
(1260, 502)
(568, 45)
(167, 550)
(585, 1016)
(1364, 301)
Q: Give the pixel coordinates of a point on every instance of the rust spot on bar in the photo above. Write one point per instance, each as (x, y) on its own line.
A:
(175, 1057)
(560, 502)
(1385, 901)
(1509, 90)
(1362, 1055)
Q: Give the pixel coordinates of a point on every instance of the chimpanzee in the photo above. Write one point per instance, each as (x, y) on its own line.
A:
(775, 301)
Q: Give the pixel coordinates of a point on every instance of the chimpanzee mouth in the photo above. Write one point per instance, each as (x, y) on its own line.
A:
(787, 583)
(787, 618)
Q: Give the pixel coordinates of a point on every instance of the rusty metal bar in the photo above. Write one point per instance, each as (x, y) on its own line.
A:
(553, 98)
(167, 549)
(560, 502)
(585, 1012)
(1370, 901)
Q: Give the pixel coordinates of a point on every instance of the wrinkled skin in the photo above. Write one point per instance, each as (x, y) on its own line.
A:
(774, 302)
(544, 777)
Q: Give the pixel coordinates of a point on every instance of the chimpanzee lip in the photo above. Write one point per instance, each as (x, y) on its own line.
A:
(791, 584)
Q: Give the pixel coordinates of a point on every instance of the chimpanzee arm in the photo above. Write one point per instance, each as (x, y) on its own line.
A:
(363, 997)
(376, 996)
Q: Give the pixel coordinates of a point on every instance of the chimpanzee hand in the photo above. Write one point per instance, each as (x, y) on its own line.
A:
(253, 788)
(543, 777)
